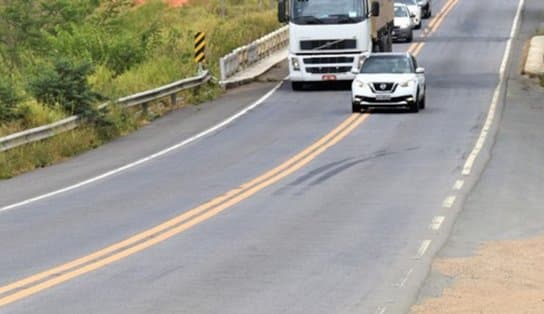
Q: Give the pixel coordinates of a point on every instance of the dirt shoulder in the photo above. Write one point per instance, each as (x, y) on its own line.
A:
(503, 277)
(493, 259)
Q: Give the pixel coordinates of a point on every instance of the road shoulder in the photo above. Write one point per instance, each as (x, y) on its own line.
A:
(494, 247)
(158, 135)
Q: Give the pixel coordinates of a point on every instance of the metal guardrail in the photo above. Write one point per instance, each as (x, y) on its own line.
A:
(243, 57)
(47, 131)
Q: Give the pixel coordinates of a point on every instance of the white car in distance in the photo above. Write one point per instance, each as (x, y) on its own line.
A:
(403, 25)
(415, 10)
(389, 80)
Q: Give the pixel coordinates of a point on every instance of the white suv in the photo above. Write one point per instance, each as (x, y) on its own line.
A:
(389, 80)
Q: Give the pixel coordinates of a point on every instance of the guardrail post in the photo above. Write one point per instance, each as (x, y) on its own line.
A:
(173, 99)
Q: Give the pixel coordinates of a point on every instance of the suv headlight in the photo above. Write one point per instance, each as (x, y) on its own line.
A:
(359, 83)
(407, 83)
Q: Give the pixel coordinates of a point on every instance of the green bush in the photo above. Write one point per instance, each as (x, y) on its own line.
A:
(8, 101)
(66, 85)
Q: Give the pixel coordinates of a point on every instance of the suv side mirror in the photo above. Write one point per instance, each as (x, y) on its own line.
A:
(375, 9)
(355, 71)
(282, 14)
(420, 70)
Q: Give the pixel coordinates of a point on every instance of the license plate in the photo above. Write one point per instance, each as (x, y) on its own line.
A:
(383, 97)
(328, 77)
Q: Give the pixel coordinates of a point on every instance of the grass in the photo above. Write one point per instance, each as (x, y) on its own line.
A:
(168, 58)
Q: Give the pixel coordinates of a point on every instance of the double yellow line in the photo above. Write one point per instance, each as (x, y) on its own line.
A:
(433, 26)
(47, 279)
(35, 283)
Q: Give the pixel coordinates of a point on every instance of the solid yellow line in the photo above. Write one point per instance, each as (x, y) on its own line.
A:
(443, 17)
(415, 49)
(172, 222)
(192, 217)
(441, 13)
(188, 224)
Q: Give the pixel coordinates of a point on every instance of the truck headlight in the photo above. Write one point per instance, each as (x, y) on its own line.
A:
(407, 83)
(295, 63)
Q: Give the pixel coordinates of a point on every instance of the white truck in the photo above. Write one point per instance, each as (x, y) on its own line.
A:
(328, 38)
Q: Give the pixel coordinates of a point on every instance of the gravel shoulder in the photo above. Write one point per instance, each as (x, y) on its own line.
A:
(492, 262)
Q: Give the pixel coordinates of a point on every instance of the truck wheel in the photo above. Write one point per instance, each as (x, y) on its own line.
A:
(296, 86)
(389, 43)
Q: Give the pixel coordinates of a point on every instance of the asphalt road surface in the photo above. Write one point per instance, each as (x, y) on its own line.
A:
(347, 221)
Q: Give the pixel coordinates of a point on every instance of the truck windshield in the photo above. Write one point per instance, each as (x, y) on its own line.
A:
(328, 11)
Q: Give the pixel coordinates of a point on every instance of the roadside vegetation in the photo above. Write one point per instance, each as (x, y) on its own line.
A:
(65, 57)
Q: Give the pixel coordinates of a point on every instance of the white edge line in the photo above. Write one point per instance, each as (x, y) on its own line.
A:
(458, 185)
(381, 310)
(449, 201)
(437, 222)
(467, 169)
(402, 283)
(423, 248)
(148, 158)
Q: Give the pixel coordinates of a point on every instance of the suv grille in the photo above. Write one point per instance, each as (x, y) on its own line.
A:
(383, 87)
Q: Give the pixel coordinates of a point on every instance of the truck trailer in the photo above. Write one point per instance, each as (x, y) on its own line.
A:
(328, 38)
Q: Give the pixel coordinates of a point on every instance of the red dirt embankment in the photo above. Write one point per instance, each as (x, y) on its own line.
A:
(174, 3)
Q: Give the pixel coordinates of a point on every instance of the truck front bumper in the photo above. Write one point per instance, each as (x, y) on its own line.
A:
(318, 68)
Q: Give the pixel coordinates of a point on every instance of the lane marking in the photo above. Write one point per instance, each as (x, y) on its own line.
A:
(423, 248)
(449, 201)
(403, 281)
(458, 185)
(469, 164)
(99, 259)
(381, 310)
(435, 22)
(148, 158)
(449, 7)
(437, 223)
(168, 229)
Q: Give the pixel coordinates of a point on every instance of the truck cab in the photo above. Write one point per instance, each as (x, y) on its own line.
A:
(328, 38)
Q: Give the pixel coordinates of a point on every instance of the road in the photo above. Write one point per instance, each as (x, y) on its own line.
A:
(347, 220)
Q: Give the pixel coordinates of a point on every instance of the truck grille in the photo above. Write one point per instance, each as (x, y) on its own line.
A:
(328, 60)
(328, 44)
(325, 70)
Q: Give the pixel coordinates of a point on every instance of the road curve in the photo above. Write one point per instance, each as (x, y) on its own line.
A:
(349, 230)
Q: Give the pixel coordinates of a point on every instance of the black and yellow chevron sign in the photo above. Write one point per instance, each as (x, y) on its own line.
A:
(200, 47)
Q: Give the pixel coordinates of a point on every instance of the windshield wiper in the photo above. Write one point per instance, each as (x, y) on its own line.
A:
(309, 19)
(344, 18)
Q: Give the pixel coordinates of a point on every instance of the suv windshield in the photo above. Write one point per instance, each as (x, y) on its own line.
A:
(400, 11)
(387, 64)
(328, 11)
(407, 2)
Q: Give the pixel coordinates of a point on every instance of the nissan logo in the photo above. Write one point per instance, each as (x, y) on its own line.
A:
(383, 86)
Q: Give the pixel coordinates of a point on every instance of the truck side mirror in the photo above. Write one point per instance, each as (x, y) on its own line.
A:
(375, 9)
(282, 14)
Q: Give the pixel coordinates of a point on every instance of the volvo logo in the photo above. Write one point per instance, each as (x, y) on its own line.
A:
(383, 86)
